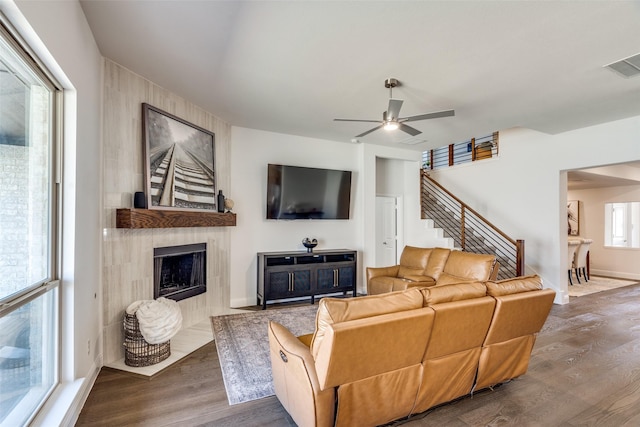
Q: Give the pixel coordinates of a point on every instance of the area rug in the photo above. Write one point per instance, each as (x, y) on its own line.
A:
(242, 342)
(597, 284)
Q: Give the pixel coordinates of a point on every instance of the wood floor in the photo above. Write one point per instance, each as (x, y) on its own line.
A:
(585, 371)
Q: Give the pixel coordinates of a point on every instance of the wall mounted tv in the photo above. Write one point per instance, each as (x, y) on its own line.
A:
(295, 192)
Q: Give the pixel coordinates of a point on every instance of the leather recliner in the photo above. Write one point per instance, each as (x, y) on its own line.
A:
(423, 267)
(375, 359)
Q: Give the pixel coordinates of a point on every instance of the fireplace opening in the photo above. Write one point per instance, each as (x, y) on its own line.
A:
(180, 271)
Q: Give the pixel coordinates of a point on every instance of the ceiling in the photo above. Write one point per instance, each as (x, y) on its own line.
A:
(604, 176)
(293, 66)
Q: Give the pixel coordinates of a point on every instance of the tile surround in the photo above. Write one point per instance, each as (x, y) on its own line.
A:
(128, 254)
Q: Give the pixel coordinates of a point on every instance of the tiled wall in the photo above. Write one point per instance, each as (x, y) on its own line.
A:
(128, 254)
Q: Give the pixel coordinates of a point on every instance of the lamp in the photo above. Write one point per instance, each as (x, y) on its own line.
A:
(390, 125)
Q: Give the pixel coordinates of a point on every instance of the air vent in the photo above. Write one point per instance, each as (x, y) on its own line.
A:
(414, 140)
(627, 67)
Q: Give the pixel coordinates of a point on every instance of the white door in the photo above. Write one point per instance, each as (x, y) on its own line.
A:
(386, 231)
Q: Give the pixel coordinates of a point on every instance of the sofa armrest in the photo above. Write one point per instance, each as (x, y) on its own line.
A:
(295, 380)
(382, 271)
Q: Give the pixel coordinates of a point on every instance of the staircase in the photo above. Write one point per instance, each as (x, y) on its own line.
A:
(468, 230)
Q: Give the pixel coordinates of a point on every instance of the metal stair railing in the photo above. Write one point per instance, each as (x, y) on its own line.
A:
(469, 230)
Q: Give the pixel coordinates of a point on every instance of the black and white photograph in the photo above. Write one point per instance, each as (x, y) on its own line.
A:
(179, 161)
(573, 222)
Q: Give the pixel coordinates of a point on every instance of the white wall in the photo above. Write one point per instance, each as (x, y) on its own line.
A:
(401, 161)
(251, 151)
(390, 183)
(607, 261)
(523, 191)
(60, 36)
(401, 178)
(389, 177)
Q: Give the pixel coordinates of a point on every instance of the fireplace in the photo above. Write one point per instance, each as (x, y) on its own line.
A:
(180, 272)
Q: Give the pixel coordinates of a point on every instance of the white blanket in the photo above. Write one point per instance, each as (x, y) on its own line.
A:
(159, 320)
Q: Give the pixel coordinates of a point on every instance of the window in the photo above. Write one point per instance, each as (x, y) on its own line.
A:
(622, 224)
(28, 230)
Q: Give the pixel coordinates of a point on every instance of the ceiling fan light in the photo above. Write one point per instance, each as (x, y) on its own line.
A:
(391, 126)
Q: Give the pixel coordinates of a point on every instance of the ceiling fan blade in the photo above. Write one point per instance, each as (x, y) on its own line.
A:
(408, 129)
(356, 120)
(394, 109)
(436, 115)
(369, 131)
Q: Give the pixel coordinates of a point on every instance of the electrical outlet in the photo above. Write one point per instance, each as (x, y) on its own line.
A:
(89, 347)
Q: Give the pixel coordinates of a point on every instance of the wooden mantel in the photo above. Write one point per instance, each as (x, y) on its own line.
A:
(166, 218)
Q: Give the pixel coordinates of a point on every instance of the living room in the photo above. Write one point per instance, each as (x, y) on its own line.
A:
(523, 191)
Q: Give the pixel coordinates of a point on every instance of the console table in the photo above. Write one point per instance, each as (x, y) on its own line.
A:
(283, 275)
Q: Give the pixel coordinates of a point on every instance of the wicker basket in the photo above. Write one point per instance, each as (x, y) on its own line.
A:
(138, 352)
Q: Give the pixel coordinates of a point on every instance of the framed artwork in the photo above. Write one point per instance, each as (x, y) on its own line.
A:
(179, 162)
(573, 217)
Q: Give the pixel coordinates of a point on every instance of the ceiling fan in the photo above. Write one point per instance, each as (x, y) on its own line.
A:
(390, 119)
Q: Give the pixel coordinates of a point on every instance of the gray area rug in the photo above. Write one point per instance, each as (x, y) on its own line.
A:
(242, 342)
(597, 284)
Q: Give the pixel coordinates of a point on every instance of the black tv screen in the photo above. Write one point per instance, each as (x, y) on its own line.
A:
(295, 192)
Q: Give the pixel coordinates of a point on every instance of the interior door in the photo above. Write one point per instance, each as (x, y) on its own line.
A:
(386, 231)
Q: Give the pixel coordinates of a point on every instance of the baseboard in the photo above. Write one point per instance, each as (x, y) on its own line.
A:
(73, 413)
(615, 274)
(561, 298)
(64, 405)
(242, 302)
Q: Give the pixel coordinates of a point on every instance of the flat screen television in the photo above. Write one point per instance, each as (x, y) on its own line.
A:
(295, 192)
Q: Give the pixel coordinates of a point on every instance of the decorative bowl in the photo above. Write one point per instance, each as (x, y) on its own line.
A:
(309, 243)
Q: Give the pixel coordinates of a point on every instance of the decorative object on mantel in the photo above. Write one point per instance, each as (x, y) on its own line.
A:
(220, 201)
(228, 204)
(309, 244)
(139, 200)
(149, 326)
(164, 218)
(172, 147)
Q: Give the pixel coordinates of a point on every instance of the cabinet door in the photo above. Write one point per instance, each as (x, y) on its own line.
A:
(277, 284)
(326, 279)
(301, 281)
(284, 282)
(336, 277)
(346, 276)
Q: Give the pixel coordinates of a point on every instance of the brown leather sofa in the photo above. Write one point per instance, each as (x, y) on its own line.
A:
(375, 359)
(420, 267)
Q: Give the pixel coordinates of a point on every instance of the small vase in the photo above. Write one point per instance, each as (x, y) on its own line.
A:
(220, 201)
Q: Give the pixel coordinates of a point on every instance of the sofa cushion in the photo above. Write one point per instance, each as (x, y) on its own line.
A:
(448, 279)
(455, 292)
(514, 286)
(415, 258)
(420, 278)
(469, 265)
(336, 310)
(436, 262)
(408, 272)
(422, 262)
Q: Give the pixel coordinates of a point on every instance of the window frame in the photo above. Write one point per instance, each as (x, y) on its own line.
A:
(52, 282)
(630, 224)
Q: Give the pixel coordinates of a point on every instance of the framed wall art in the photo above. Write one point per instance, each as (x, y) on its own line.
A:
(573, 217)
(179, 162)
